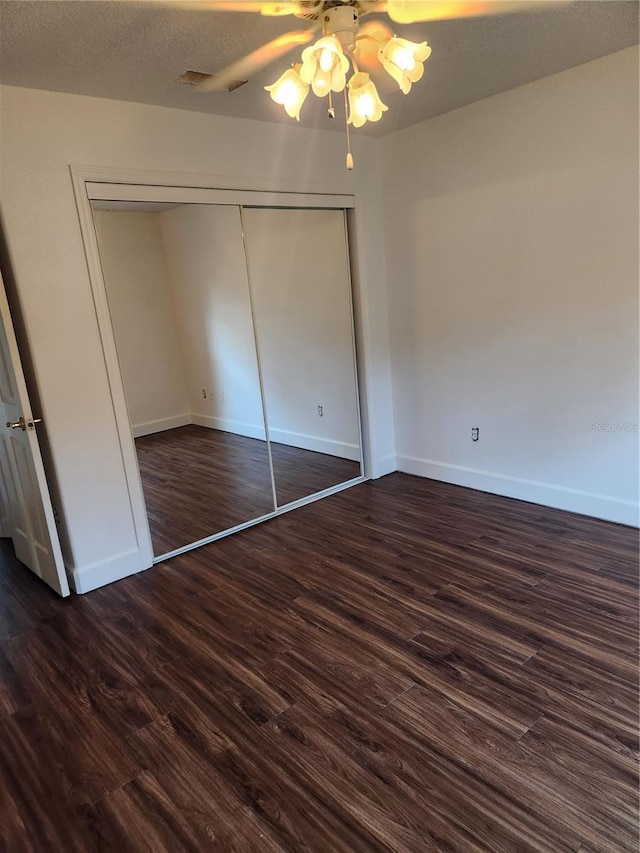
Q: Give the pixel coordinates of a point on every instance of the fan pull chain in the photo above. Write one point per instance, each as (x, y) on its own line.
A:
(331, 111)
(346, 117)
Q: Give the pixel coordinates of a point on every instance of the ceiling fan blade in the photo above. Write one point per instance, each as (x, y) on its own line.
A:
(281, 7)
(244, 68)
(408, 11)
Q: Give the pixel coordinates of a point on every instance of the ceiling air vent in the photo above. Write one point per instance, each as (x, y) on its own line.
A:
(195, 78)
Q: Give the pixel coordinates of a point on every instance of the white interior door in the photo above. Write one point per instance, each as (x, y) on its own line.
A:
(26, 513)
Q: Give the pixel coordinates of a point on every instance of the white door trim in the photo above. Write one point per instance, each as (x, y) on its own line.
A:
(116, 386)
(301, 185)
(99, 191)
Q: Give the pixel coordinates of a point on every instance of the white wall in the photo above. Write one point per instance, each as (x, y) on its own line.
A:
(210, 295)
(44, 132)
(136, 277)
(512, 237)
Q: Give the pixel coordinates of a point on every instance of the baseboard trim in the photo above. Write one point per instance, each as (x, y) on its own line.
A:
(385, 466)
(226, 425)
(293, 439)
(313, 442)
(547, 494)
(161, 424)
(87, 578)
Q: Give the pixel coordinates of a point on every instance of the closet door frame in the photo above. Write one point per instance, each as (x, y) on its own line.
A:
(100, 184)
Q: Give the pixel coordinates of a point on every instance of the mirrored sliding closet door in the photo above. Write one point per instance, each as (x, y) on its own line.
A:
(176, 283)
(234, 335)
(301, 293)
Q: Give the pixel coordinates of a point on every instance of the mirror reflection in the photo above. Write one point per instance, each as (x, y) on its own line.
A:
(301, 295)
(176, 283)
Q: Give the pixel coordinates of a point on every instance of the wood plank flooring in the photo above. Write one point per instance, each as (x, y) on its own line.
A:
(199, 481)
(299, 473)
(404, 666)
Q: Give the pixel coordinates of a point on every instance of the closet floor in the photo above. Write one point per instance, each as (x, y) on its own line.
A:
(199, 481)
(406, 666)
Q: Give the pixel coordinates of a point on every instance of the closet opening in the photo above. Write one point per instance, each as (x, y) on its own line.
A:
(229, 335)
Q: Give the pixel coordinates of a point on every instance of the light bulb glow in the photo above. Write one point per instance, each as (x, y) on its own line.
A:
(290, 91)
(365, 104)
(404, 61)
(364, 101)
(324, 66)
(321, 85)
(326, 59)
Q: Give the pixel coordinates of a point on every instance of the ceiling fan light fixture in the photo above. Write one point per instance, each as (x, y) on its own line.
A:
(324, 66)
(290, 90)
(344, 48)
(364, 100)
(404, 61)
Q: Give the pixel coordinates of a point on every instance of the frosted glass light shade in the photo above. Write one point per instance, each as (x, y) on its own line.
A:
(403, 60)
(324, 66)
(364, 101)
(290, 90)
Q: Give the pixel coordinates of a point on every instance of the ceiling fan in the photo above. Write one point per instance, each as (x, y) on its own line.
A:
(349, 56)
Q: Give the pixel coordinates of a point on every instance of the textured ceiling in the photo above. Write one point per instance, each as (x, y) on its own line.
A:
(134, 51)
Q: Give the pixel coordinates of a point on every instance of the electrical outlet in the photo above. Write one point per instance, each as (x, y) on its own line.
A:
(204, 394)
(475, 433)
(320, 412)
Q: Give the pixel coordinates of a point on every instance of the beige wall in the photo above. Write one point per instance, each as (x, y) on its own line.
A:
(512, 237)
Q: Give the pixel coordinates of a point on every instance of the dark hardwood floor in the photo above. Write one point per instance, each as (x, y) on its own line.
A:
(199, 481)
(404, 666)
(300, 473)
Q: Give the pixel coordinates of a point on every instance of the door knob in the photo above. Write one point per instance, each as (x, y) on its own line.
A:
(19, 424)
(23, 425)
